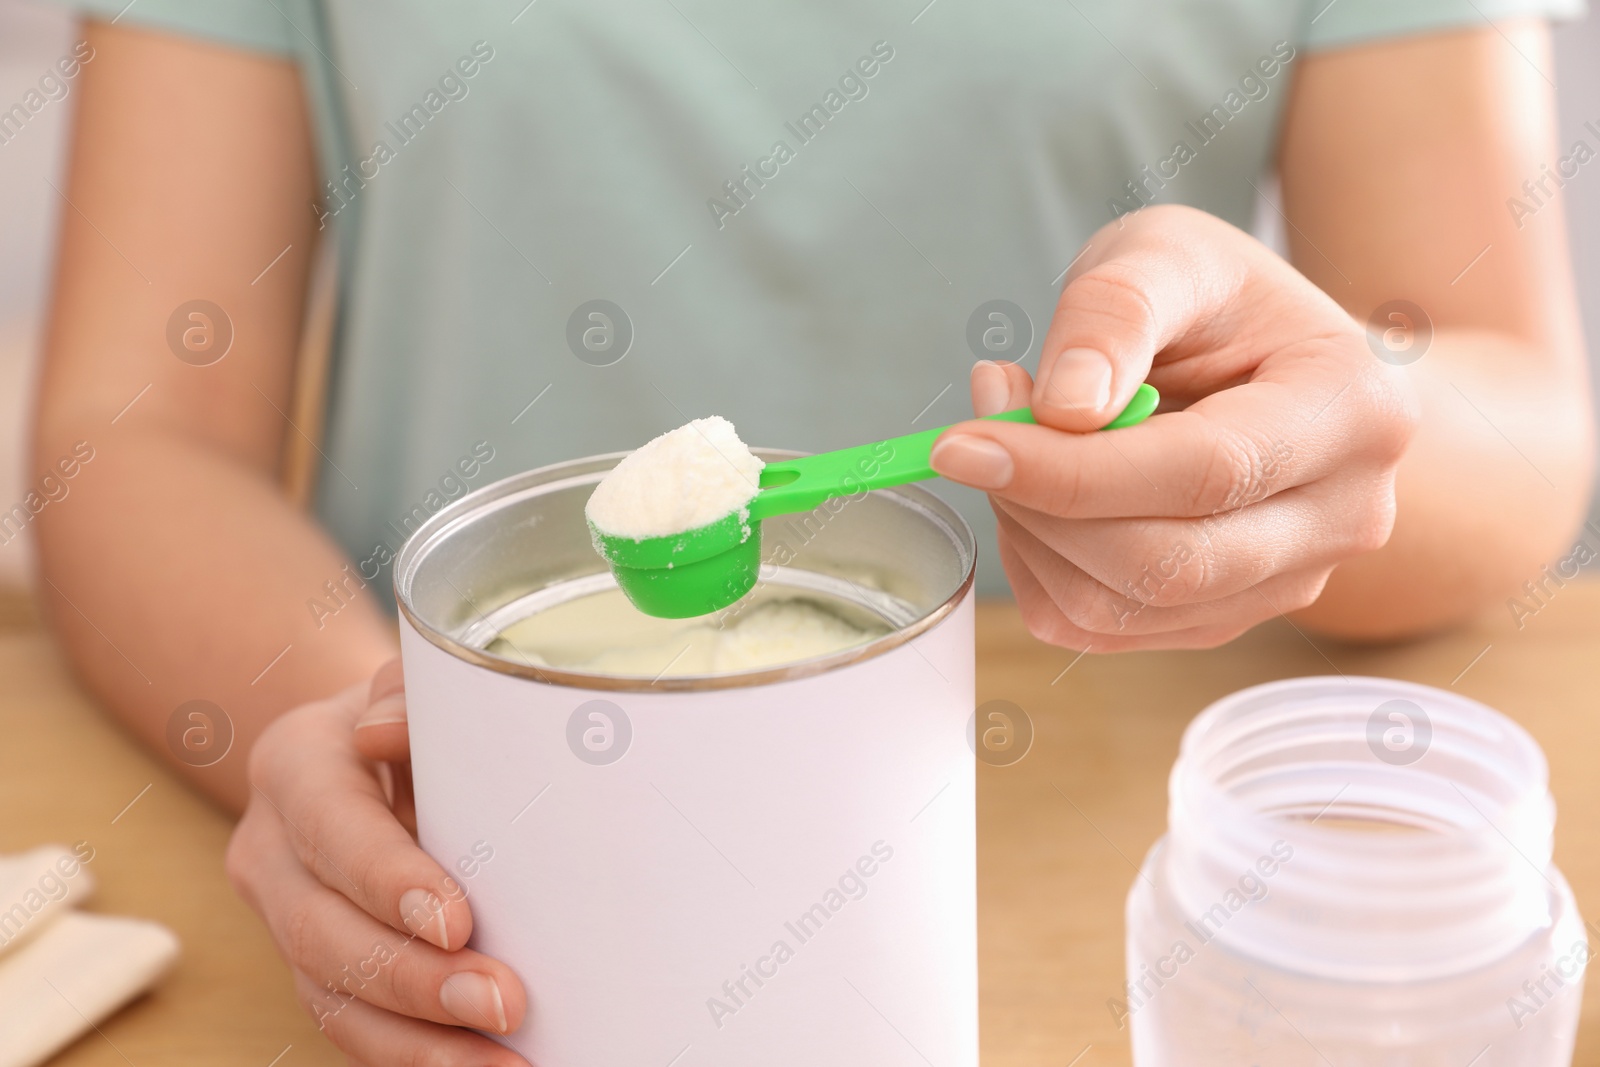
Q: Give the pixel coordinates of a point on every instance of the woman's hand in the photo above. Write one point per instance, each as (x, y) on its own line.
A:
(1272, 461)
(372, 927)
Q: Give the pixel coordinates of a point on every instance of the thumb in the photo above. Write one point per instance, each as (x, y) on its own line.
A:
(1109, 324)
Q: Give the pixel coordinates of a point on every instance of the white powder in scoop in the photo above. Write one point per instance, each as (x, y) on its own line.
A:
(685, 478)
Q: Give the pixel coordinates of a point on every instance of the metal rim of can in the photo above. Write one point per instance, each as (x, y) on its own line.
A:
(550, 478)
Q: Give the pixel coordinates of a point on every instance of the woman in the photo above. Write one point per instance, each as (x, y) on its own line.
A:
(563, 229)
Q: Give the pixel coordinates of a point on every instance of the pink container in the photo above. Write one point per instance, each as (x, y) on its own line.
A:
(776, 867)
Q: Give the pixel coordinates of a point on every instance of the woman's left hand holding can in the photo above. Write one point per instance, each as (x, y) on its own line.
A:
(372, 927)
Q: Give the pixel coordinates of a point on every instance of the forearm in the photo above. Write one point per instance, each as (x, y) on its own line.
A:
(174, 573)
(174, 570)
(1493, 486)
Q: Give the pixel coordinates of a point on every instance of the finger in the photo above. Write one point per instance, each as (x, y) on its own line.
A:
(387, 680)
(307, 769)
(1125, 609)
(403, 797)
(1039, 612)
(998, 387)
(350, 954)
(382, 732)
(371, 1035)
(1168, 562)
(1046, 621)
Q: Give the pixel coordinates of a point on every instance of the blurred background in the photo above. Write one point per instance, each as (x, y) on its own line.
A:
(31, 157)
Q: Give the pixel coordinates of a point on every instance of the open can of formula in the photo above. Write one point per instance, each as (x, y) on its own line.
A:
(742, 839)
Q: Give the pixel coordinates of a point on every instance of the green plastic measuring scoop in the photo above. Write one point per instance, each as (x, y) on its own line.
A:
(709, 567)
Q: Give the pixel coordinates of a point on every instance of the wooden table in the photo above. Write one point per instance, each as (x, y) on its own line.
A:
(1059, 834)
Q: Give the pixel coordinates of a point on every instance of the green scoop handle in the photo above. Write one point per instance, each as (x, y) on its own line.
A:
(792, 486)
(710, 567)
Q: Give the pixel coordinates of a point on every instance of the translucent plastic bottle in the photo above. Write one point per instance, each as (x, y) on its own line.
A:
(1355, 871)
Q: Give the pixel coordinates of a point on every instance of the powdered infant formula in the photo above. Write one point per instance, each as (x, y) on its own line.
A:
(688, 477)
(604, 634)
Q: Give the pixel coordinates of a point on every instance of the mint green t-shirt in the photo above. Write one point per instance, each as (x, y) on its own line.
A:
(799, 215)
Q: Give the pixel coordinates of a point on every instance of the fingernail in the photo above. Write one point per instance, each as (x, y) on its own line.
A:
(974, 461)
(474, 998)
(1079, 380)
(391, 709)
(989, 390)
(422, 912)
